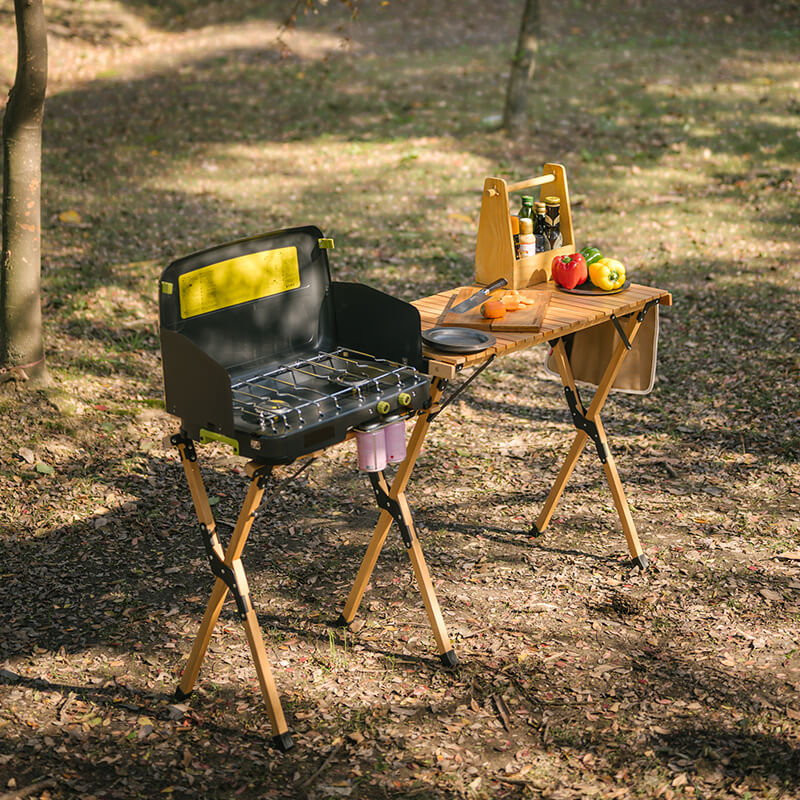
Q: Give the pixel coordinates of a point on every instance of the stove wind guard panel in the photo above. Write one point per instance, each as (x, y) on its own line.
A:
(262, 350)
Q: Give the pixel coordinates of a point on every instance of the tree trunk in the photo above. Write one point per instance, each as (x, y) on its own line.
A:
(21, 345)
(515, 115)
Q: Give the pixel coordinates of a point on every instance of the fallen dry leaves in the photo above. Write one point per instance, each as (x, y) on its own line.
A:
(579, 676)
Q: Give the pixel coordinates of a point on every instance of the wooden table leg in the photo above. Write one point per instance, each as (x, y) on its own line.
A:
(592, 417)
(192, 668)
(581, 438)
(564, 474)
(385, 520)
(620, 501)
(624, 513)
(206, 518)
(280, 730)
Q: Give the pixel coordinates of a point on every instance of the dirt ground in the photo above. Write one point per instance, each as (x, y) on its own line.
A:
(171, 127)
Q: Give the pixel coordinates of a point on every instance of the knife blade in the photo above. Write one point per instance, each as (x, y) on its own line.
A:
(478, 297)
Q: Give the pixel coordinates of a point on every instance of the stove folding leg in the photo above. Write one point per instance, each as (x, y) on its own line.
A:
(590, 427)
(447, 654)
(192, 668)
(394, 507)
(230, 575)
(365, 570)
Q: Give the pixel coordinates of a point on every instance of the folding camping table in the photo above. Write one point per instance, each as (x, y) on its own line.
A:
(566, 315)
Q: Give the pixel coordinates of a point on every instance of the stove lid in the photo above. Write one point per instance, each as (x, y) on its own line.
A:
(254, 300)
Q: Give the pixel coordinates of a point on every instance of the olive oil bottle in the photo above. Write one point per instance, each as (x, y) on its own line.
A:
(540, 228)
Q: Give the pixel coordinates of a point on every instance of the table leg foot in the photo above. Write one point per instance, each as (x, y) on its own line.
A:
(449, 659)
(340, 622)
(535, 532)
(282, 742)
(640, 561)
(180, 694)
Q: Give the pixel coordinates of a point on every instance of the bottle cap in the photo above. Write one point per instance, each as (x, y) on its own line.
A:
(525, 225)
(514, 224)
(540, 206)
(527, 200)
(553, 200)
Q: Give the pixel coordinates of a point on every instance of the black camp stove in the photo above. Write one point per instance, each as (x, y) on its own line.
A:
(262, 351)
(320, 399)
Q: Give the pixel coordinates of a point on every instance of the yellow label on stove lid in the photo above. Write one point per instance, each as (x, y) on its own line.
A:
(238, 280)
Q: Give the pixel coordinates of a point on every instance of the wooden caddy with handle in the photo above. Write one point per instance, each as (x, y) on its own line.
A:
(494, 254)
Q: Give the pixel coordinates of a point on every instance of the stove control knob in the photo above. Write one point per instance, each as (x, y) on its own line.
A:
(404, 399)
(383, 407)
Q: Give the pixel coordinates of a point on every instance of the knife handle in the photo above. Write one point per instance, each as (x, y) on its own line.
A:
(495, 285)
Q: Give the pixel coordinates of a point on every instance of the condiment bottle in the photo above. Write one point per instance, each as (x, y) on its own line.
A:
(515, 234)
(527, 241)
(540, 227)
(553, 217)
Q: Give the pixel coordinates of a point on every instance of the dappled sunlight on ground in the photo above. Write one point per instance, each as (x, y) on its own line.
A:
(174, 126)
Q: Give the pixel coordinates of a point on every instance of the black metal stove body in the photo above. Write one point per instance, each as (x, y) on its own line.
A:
(262, 350)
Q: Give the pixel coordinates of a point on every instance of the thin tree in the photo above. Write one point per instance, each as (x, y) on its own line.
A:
(523, 64)
(21, 342)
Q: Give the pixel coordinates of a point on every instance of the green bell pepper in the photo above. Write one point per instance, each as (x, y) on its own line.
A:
(591, 254)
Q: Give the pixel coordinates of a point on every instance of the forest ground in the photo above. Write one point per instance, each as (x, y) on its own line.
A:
(171, 127)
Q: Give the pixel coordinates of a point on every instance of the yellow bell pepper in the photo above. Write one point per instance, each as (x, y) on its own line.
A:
(607, 273)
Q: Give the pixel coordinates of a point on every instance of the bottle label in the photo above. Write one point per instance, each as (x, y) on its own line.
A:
(527, 249)
(551, 221)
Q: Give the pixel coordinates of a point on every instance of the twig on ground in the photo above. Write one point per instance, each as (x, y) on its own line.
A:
(502, 711)
(514, 781)
(322, 767)
(62, 711)
(37, 786)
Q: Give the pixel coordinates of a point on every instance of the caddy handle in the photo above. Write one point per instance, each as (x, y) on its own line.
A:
(538, 181)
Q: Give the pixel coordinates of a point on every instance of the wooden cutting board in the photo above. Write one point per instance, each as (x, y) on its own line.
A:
(526, 319)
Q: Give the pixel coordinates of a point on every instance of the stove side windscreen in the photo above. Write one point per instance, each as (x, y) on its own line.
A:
(371, 321)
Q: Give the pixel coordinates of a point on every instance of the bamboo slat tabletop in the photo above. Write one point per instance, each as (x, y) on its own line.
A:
(566, 313)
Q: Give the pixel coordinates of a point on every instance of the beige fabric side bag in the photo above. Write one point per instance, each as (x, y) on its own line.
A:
(591, 350)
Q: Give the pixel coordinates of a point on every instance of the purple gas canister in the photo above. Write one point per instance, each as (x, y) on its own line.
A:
(371, 447)
(395, 433)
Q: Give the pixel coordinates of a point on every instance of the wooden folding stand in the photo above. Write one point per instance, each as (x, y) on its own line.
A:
(590, 426)
(394, 507)
(226, 565)
(230, 576)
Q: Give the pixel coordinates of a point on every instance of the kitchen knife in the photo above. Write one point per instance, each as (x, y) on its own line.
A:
(478, 297)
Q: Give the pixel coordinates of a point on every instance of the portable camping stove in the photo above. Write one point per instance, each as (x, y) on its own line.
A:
(263, 352)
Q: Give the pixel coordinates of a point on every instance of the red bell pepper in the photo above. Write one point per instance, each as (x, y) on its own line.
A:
(570, 270)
